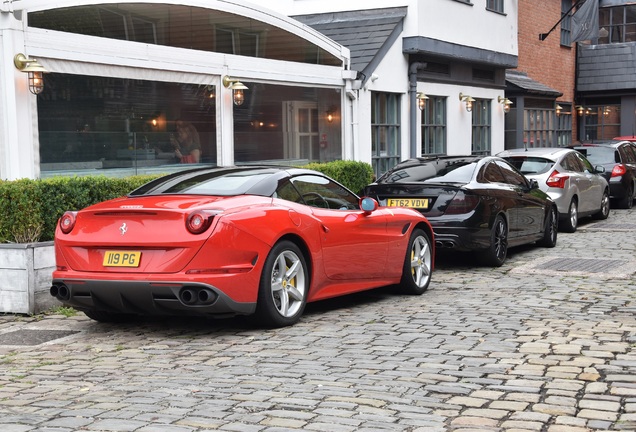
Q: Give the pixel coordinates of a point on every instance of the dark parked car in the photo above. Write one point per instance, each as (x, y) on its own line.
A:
(577, 188)
(474, 203)
(619, 160)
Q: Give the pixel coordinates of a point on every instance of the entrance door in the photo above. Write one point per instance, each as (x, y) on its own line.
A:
(301, 130)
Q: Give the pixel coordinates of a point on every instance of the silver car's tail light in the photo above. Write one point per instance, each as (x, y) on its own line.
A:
(557, 179)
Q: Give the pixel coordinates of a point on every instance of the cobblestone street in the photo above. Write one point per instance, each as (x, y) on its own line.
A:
(544, 343)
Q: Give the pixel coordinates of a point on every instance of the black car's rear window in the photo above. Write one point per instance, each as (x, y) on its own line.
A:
(432, 172)
(530, 164)
(598, 155)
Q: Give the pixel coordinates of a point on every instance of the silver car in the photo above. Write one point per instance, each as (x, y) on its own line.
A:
(577, 188)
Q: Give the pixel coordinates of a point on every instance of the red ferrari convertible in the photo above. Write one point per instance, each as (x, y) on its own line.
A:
(236, 241)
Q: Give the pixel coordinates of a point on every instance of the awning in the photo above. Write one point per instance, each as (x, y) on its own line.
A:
(521, 83)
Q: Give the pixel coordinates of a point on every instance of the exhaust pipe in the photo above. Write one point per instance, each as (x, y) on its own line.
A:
(60, 292)
(197, 296)
(445, 244)
(188, 296)
(204, 296)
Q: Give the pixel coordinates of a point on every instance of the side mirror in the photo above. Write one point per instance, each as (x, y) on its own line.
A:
(368, 204)
(534, 184)
(599, 169)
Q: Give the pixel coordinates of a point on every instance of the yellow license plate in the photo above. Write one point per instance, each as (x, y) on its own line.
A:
(122, 259)
(419, 203)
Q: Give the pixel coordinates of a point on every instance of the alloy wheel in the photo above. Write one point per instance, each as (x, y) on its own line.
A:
(288, 284)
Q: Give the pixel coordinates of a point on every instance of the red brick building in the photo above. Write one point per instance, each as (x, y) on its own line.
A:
(542, 87)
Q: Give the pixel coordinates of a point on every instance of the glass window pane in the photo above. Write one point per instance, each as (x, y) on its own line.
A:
(96, 123)
(385, 127)
(184, 27)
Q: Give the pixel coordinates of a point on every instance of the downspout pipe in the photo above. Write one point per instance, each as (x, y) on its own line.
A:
(413, 68)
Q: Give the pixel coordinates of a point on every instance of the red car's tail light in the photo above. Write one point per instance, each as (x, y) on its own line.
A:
(67, 221)
(619, 170)
(557, 180)
(462, 204)
(199, 221)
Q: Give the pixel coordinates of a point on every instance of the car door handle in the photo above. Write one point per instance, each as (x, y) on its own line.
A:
(324, 228)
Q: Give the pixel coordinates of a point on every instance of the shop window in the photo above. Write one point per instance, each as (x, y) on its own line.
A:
(123, 126)
(285, 124)
(385, 131)
(539, 128)
(434, 126)
(481, 121)
(601, 122)
(183, 27)
(543, 125)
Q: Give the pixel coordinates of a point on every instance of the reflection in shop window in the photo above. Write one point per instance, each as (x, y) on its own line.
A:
(232, 41)
(183, 26)
(125, 126)
(287, 124)
(122, 126)
(601, 122)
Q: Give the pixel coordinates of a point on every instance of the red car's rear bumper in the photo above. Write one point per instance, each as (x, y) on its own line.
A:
(148, 297)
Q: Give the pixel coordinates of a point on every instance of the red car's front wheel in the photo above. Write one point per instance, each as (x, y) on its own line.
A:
(418, 264)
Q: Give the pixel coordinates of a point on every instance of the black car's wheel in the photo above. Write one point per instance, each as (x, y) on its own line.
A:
(418, 264)
(551, 227)
(570, 223)
(604, 211)
(284, 285)
(627, 201)
(107, 317)
(495, 255)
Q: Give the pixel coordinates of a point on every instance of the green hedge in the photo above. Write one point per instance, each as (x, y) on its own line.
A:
(29, 209)
(351, 174)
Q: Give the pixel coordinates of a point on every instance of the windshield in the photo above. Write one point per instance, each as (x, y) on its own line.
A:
(598, 155)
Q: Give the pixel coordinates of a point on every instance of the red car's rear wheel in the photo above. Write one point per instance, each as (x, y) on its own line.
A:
(283, 287)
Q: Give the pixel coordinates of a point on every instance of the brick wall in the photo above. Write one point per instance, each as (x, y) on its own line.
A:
(546, 61)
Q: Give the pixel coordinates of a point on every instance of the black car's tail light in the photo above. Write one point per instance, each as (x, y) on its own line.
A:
(198, 221)
(619, 170)
(462, 204)
(557, 179)
(67, 221)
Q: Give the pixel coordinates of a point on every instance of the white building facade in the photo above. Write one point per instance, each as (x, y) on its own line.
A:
(325, 80)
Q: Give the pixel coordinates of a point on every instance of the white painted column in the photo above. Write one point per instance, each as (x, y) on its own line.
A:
(225, 126)
(19, 152)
